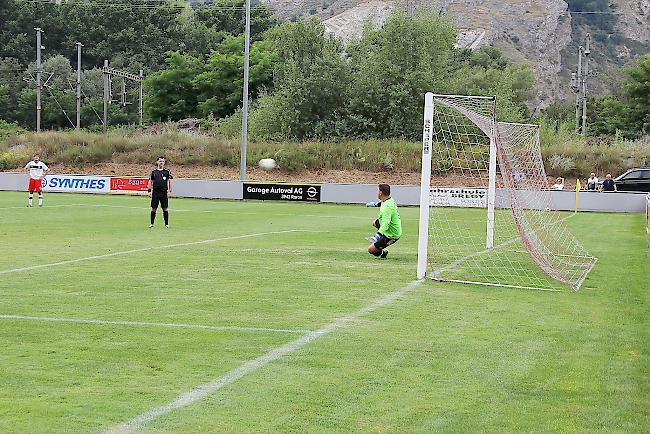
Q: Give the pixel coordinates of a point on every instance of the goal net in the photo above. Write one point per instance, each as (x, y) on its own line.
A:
(487, 214)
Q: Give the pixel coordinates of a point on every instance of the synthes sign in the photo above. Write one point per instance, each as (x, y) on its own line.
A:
(278, 191)
(77, 184)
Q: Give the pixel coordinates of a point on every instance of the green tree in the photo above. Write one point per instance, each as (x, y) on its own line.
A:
(486, 72)
(311, 83)
(375, 86)
(11, 84)
(628, 115)
(220, 85)
(393, 67)
(55, 105)
(638, 91)
(200, 40)
(610, 117)
(228, 16)
(171, 94)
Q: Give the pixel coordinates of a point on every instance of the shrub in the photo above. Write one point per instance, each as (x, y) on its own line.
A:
(570, 156)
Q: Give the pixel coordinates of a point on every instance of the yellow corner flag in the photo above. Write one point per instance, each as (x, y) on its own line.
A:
(577, 192)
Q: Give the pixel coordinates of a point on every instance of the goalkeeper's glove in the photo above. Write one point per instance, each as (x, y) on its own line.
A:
(371, 204)
(374, 238)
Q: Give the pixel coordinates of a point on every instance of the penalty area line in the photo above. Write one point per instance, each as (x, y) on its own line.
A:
(151, 324)
(201, 392)
(144, 249)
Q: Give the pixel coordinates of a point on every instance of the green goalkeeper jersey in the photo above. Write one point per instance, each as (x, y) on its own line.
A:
(389, 221)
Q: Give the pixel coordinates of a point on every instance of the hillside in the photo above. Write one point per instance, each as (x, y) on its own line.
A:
(544, 33)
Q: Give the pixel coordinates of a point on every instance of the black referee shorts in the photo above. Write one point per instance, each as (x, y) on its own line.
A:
(159, 197)
(384, 242)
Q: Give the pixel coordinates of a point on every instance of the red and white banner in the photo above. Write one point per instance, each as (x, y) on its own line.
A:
(129, 185)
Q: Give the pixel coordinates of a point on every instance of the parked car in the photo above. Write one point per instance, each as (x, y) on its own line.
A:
(634, 180)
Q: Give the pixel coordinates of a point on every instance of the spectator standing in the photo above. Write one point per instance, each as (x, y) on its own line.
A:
(608, 183)
(592, 182)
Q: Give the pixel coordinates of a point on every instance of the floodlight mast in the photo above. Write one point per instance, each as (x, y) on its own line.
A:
(244, 127)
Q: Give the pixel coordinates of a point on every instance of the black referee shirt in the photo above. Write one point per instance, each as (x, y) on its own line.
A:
(159, 178)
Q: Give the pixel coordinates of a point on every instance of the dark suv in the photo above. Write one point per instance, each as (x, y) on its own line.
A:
(634, 180)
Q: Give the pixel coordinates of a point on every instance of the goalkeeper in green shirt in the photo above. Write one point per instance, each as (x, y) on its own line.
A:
(388, 224)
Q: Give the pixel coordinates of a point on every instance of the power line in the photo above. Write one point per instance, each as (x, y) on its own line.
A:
(90, 103)
(591, 13)
(147, 5)
(155, 4)
(60, 106)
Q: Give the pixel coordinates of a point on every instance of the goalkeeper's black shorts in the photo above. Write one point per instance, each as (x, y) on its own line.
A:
(384, 242)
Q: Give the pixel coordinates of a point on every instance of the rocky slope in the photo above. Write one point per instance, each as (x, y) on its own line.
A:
(539, 32)
(634, 21)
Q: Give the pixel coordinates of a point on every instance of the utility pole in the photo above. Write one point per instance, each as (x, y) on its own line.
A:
(587, 52)
(244, 127)
(107, 93)
(123, 100)
(410, 8)
(140, 110)
(79, 45)
(576, 86)
(38, 78)
(108, 74)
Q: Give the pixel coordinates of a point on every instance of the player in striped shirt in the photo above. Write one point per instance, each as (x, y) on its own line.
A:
(37, 171)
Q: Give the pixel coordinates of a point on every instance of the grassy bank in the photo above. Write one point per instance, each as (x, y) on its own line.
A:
(183, 148)
(563, 156)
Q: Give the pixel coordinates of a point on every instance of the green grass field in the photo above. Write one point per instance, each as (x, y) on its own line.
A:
(229, 298)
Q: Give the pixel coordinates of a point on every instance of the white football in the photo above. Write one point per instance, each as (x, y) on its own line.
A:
(267, 164)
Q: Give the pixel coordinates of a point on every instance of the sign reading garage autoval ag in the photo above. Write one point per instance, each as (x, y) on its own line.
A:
(280, 191)
(459, 197)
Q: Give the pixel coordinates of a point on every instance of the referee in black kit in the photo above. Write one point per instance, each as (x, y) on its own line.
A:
(160, 186)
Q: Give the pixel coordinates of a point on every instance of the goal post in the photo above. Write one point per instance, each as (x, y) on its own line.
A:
(491, 194)
(425, 181)
(490, 218)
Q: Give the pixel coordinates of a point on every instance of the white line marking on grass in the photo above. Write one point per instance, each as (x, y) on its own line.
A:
(152, 324)
(251, 366)
(219, 211)
(46, 206)
(144, 249)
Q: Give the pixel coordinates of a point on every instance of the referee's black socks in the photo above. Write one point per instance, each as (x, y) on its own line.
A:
(166, 216)
(153, 216)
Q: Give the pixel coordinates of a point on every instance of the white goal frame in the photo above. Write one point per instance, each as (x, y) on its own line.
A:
(516, 149)
(425, 182)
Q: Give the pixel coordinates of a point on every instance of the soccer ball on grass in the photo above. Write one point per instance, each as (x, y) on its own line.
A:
(267, 164)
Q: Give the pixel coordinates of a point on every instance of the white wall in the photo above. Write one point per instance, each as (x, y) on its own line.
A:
(362, 193)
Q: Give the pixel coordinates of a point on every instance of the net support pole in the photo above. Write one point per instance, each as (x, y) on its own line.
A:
(492, 180)
(425, 185)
